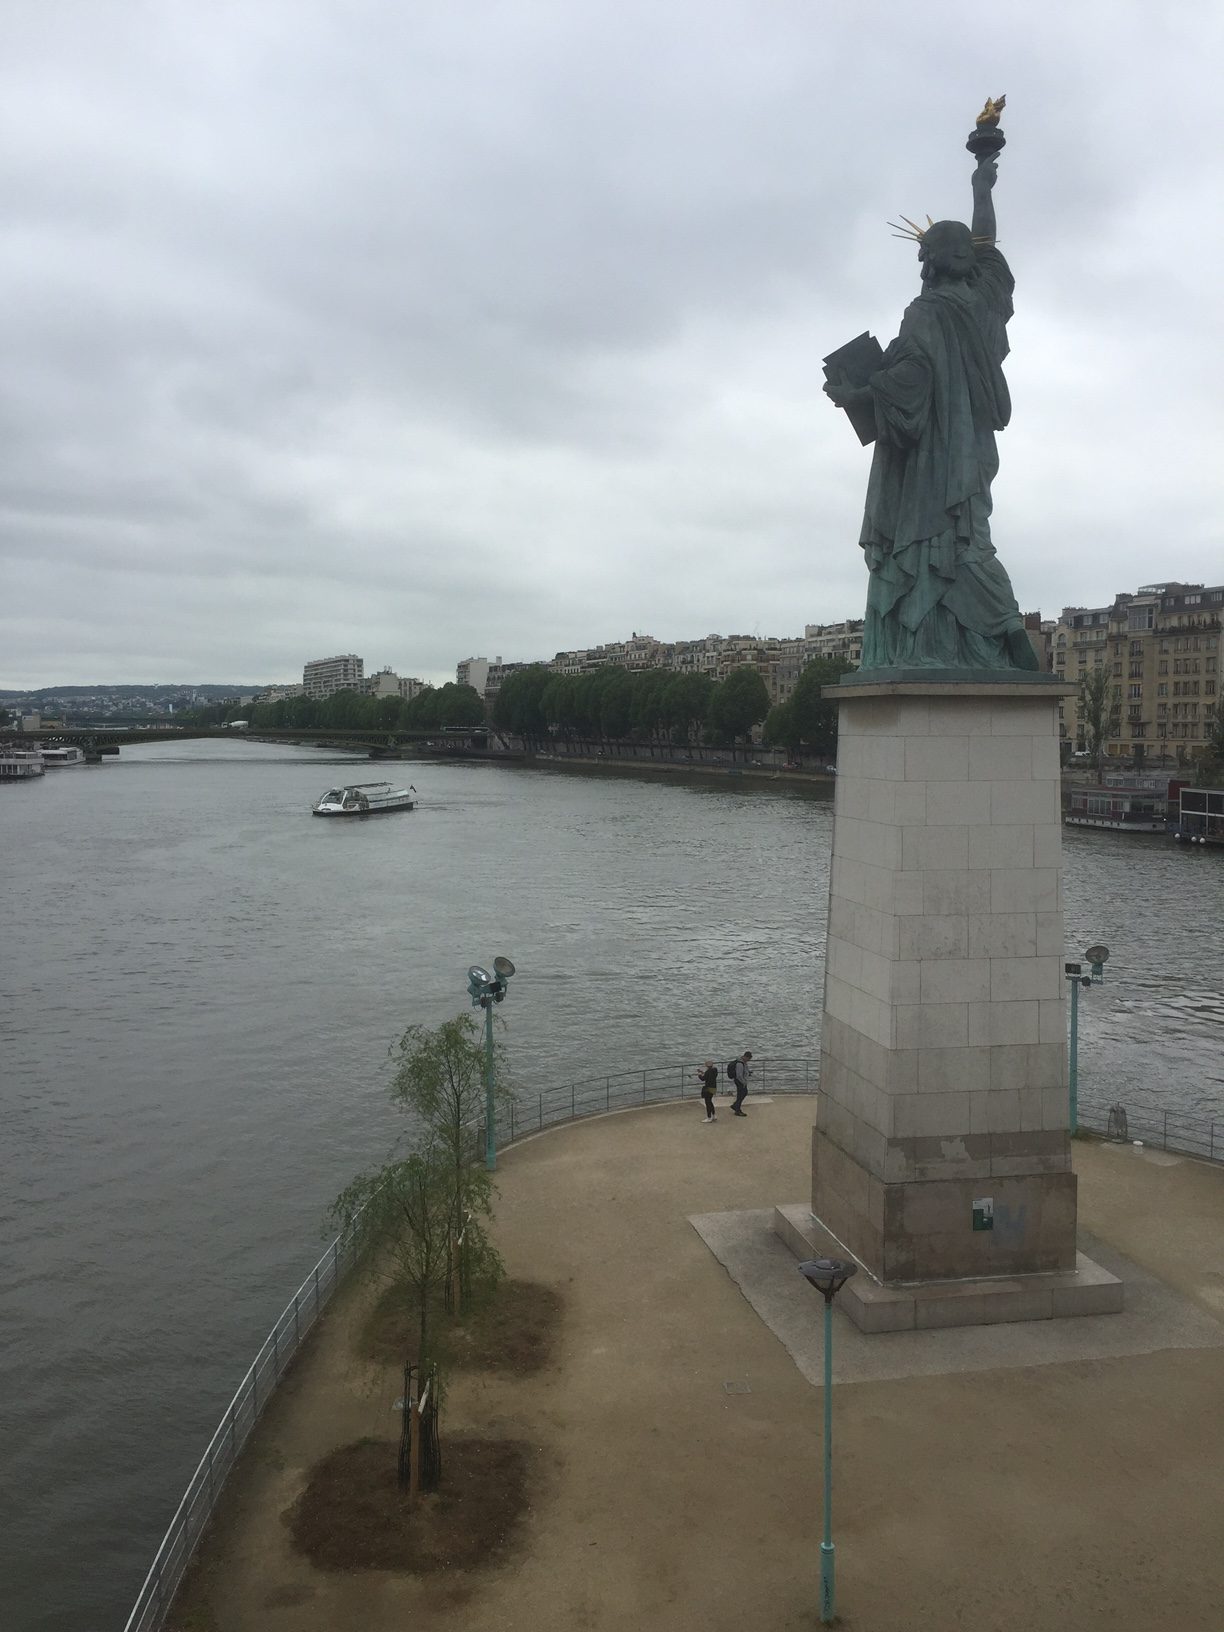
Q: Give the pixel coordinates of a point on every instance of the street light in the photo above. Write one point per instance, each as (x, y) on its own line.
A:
(828, 1276)
(1098, 957)
(485, 989)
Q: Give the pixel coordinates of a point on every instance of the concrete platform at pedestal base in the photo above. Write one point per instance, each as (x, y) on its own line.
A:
(1086, 1290)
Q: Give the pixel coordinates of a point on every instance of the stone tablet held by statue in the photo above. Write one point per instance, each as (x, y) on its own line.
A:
(855, 363)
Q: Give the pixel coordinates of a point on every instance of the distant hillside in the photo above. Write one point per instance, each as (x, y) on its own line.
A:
(153, 693)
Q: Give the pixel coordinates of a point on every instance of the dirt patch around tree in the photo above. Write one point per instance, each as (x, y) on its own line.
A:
(513, 1329)
(353, 1514)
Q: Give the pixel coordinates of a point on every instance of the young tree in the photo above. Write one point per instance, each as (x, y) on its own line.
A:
(439, 1077)
(401, 1218)
(1100, 709)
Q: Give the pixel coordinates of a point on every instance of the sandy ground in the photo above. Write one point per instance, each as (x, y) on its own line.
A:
(1082, 1492)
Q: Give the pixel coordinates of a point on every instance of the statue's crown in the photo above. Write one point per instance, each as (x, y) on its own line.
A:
(910, 229)
(915, 234)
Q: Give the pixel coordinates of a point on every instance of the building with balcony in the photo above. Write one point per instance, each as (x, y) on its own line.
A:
(844, 640)
(1160, 646)
(324, 675)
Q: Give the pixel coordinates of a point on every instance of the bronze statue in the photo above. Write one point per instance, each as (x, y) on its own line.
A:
(938, 596)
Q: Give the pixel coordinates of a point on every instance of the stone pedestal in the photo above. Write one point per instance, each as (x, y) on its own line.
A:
(942, 1147)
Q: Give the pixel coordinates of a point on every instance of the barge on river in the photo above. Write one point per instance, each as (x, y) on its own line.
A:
(364, 799)
(1198, 816)
(1122, 804)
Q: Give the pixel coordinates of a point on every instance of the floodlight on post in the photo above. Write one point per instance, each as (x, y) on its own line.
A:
(485, 990)
(1098, 957)
(828, 1276)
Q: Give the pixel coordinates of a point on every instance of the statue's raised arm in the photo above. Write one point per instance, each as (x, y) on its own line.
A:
(984, 178)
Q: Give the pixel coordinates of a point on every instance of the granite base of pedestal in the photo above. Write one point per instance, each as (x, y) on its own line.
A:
(992, 1217)
(1084, 1289)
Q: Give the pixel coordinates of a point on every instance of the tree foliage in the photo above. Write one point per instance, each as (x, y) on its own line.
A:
(439, 1080)
(518, 704)
(432, 709)
(1100, 710)
(1209, 764)
(408, 1214)
(739, 703)
(400, 1215)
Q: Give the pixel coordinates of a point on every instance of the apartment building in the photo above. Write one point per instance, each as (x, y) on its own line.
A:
(1160, 646)
(474, 672)
(778, 660)
(324, 675)
(844, 640)
(386, 683)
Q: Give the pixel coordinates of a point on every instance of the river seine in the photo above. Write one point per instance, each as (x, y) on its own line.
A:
(200, 984)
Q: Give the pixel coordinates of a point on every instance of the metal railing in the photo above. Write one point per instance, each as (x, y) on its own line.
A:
(1179, 1131)
(573, 1101)
(623, 1090)
(243, 1412)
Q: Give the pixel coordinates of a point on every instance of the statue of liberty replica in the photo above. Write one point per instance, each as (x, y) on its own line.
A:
(939, 597)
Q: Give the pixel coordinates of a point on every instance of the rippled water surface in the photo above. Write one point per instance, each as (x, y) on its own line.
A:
(200, 986)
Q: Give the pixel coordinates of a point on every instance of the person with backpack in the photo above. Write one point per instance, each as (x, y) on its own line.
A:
(707, 1078)
(738, 1073)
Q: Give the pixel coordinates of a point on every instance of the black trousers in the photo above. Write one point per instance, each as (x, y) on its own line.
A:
(708, 1095)
(741, 1092)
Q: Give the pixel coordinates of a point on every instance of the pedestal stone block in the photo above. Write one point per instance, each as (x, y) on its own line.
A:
(942, 1150)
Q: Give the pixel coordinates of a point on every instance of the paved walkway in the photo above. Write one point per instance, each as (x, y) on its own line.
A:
(1071, 1484)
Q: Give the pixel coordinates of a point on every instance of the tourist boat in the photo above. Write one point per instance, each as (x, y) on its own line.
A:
(364, 799)
(19, 764)
(1198, 816)
(1134, 804)
(63, 756)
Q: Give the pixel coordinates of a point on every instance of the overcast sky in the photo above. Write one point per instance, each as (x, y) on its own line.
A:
(491, 327)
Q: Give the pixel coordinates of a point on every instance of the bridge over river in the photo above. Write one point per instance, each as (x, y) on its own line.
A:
(100, 740)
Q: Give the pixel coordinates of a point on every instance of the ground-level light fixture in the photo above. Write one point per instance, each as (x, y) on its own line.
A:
(485, 990)
(828, 1276)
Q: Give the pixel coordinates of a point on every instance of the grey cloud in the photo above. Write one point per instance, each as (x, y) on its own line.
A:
(433, 330)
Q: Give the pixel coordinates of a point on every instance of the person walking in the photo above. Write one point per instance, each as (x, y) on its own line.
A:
(738, 1071)
(707, 1078)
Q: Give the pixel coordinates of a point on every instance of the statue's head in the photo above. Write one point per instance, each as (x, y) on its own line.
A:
(945, 250)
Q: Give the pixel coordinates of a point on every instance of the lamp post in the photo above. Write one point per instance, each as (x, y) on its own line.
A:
(485, 990)
(828, 1276)
(1098, 957)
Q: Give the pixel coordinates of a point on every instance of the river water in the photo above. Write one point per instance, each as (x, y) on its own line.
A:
(200, 985)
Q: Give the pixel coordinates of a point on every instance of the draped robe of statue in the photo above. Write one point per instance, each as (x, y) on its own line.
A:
(938, 595)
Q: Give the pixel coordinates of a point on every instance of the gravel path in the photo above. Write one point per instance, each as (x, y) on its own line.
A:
(678, 1441)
